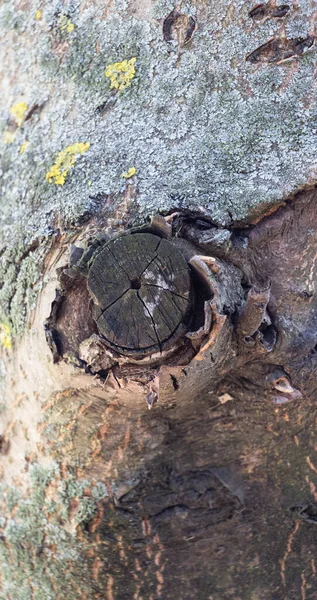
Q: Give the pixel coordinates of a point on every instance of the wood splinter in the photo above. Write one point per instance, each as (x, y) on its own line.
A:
(254, 311)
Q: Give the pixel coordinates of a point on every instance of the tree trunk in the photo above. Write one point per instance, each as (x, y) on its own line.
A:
(158, 250)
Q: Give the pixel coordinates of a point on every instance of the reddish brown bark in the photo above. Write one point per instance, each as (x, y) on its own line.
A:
(212, 493)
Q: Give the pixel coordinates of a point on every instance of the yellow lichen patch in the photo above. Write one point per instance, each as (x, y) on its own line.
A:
(66, 24)
(8, 137)
(121, 73)
(38, 15)
(129, 173)
(18, 112)
(64, 161)
(5, 336)
(23, 147)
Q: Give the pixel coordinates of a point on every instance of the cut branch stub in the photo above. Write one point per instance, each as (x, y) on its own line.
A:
(140, 285)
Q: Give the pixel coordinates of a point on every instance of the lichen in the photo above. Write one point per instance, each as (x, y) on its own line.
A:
(18, 111)
(31, 527)
(23, 147)
(206, 130)
(66, 24)
(20, 274)
(129, 173)
(121, 73)
(8, 137)
(5, 336)
(64, 162)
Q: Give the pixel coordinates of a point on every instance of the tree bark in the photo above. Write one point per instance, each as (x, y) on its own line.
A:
(158, 250)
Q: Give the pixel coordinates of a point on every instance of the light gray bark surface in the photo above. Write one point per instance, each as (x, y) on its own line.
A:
(203, 128)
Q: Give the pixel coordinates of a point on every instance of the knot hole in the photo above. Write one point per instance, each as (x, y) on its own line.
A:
(135, 284)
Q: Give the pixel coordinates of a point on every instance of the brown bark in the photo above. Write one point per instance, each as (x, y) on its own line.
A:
(212, 493)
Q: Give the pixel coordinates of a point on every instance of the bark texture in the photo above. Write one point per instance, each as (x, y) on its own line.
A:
(213, 493)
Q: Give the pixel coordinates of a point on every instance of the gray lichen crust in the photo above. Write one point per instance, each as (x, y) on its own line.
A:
(31, 528)
(198, 126)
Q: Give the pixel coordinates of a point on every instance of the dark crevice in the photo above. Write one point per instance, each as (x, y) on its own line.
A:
(174, 382)
(169, 508)
(106, 106)
(308, 512)
(189, 216)
(54, 341)
(135, 284)
(36, 108)
(103, 373)
(200, 294)
(269, 334)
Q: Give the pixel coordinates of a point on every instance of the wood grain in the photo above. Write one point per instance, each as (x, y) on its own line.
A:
(140, 285)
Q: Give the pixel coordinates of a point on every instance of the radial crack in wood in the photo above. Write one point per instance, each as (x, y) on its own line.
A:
(140, 285)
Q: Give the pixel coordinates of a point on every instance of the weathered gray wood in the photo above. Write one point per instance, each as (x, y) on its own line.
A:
(128, 324)
(141, 286)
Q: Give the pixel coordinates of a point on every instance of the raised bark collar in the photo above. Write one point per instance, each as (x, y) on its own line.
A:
(147, 302)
